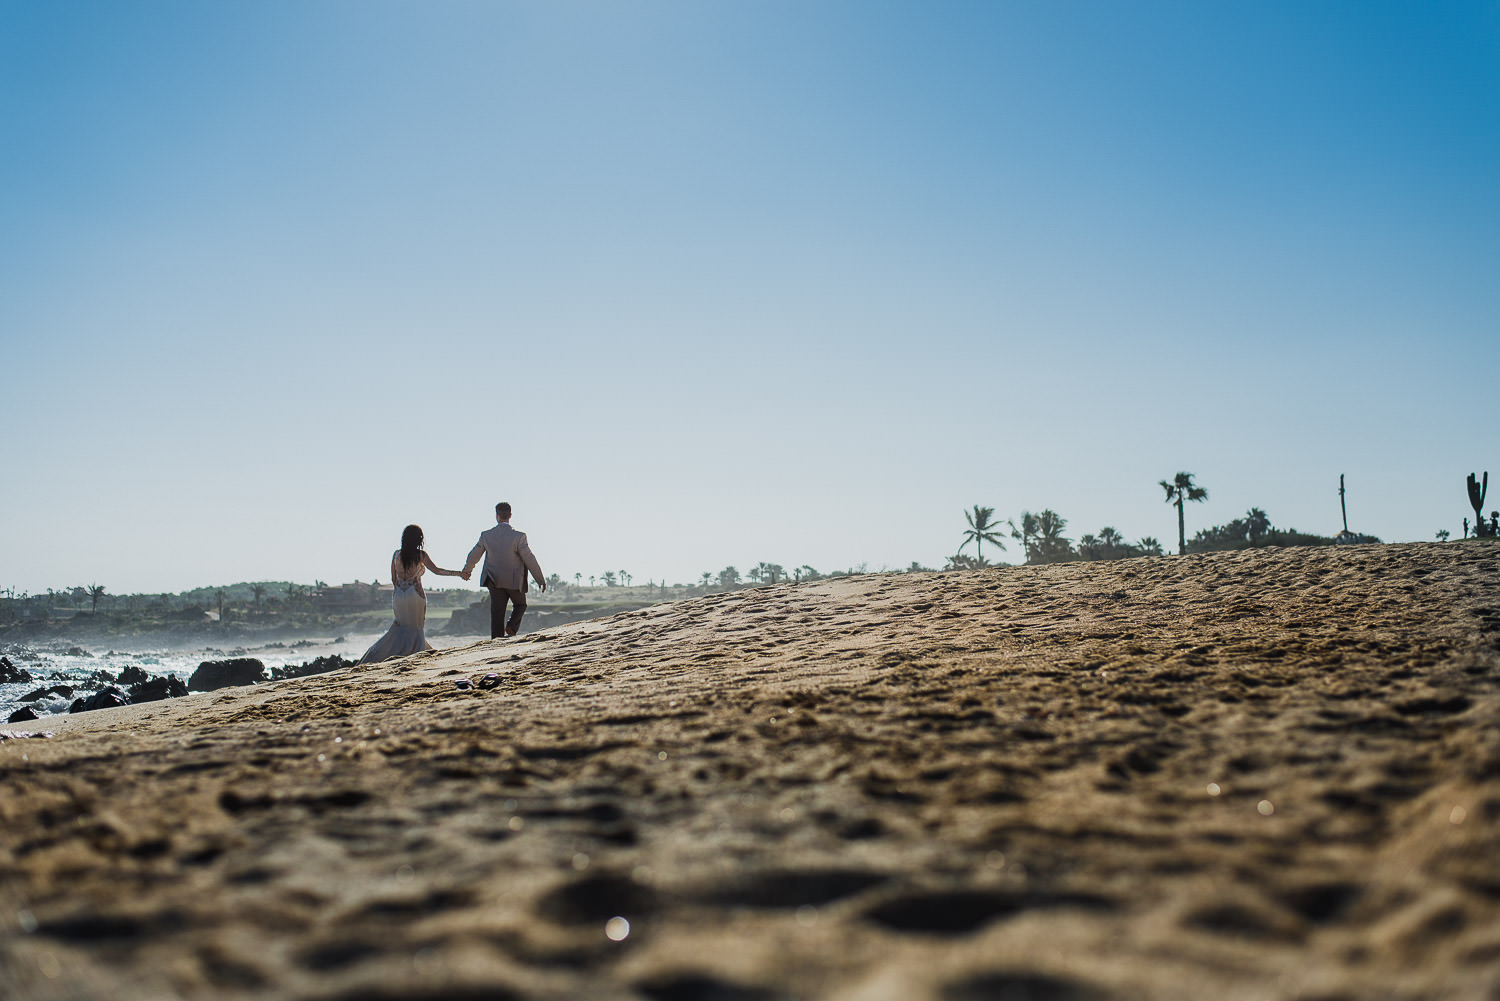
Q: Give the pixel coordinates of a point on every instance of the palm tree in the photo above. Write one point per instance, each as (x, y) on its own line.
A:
(1442, 535)
(96, 591)
(578, 579)
(1257, 524)
(769, 573)
(1182, 489)
(1051, 546)
(1149, 546)
(706, 579)
(259, 590)
(609, 578)
(1025, 533)
(981, 530)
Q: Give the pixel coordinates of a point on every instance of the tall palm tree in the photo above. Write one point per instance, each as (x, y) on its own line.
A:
(1182, 489)
(96, 591)
(259, 590)
(1257, 523)
(981, 530)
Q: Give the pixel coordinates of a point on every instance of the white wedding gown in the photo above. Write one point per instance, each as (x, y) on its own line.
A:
(407, 634)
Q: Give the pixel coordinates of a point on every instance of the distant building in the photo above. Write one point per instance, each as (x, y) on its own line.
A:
(355, 597)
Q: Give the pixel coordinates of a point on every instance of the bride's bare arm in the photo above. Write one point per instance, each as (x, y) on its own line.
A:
(427, 561)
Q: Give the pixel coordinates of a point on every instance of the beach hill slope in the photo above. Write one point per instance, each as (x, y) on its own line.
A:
(1257, 775)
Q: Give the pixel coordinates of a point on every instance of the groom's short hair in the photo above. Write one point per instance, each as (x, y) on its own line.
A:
(503, 509)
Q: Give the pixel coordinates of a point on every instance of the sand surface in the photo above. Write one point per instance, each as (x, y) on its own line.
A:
(1271, 775)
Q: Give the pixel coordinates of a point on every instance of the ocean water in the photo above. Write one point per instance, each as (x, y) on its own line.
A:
(64, 662)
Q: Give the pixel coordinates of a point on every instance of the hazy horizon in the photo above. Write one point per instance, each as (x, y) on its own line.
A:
(696, 284)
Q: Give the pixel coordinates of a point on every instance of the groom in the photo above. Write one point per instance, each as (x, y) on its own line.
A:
(507, 557)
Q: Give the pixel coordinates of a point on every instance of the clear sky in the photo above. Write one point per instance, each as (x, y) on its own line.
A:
(702, 283)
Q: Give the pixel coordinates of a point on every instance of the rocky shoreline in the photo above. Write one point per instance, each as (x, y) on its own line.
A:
(134, 686)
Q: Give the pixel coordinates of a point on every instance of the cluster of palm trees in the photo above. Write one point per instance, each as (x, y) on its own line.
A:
(1041, 533)
(726, 579)
(1042, 540)
(761, 573)
(610, 578)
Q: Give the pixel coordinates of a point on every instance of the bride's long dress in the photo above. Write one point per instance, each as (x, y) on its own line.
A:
(406, 635)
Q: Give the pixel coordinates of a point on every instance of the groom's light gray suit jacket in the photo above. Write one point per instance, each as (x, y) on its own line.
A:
(507, 557)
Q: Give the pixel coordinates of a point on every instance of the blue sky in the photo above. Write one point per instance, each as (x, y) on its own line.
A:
(701, 283)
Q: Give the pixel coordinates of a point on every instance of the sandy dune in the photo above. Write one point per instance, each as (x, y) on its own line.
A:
(1244, 776)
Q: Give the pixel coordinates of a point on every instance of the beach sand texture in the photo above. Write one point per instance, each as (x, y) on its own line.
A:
(1266, 775)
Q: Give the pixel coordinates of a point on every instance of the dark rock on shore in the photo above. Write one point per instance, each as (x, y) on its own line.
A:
(23, 715)
(61, 691)
(132, 675)
(320, 666)
(155, 689)
(11, 674)
(109, 698)
(212, 675)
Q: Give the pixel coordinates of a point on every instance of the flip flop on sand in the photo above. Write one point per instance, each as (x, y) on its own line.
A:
(489, 681)
(463, 683)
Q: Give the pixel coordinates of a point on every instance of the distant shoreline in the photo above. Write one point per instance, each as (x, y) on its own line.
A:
(154, 631)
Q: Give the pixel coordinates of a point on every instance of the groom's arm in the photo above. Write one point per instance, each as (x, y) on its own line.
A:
(474, 555)
(531, 564)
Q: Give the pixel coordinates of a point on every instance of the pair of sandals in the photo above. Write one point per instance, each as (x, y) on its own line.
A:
(488, 681)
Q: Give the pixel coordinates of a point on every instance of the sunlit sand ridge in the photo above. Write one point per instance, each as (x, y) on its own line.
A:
(1260, 775)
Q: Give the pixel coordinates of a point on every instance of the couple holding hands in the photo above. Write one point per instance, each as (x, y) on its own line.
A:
(507, 560)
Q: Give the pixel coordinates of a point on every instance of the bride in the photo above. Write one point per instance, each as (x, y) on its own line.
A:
(406, 635)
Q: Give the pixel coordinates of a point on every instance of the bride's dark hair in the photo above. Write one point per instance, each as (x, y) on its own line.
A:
(411, 547)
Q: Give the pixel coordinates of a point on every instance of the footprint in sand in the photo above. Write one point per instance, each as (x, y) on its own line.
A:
(700, 987)
(961, 912)
(1014, 985)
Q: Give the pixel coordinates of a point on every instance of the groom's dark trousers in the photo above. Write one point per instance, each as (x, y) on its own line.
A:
(499, 596)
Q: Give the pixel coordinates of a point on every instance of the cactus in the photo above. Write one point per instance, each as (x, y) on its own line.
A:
(1476, 499)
